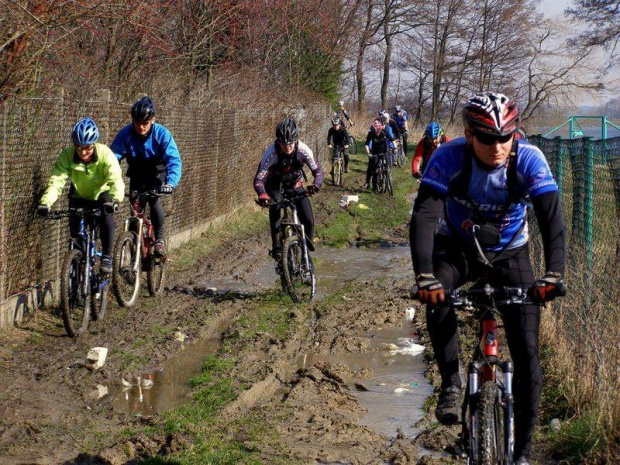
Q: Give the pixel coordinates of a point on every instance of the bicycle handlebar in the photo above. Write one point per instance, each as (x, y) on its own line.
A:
(503, 295)
(58, 214)
(152, 193)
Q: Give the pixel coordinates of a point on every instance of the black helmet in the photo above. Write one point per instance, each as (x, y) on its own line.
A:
(143, 109)
(287, 132)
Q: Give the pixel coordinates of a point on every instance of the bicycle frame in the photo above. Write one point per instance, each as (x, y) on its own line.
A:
(290, 221)
(139, 223)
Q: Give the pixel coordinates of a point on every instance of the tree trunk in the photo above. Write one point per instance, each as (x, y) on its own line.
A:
(359, 69)
(385, 82)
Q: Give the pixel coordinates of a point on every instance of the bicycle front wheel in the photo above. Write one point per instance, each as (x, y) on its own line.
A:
(155, 276)
(490, 426)
(388, 183)
(99, 298)
(74, 305)
(127, 267)
(298, 275)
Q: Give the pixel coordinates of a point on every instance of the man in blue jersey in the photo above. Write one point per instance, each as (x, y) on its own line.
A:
(153, 160)
(475, 188)
(400, 117)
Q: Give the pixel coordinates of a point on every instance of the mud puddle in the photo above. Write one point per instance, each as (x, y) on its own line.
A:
(334, 268)
(166, 387)
(394, 395)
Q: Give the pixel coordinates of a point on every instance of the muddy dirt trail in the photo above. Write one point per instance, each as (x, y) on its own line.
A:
(323, 390)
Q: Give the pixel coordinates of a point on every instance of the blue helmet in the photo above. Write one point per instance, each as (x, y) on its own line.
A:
(433, 130)
(85, 132)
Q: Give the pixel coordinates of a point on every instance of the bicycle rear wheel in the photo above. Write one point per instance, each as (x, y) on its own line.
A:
(75, 306)
(155, 275)
(491, 439)
(352, 145)
(400, 156)
(299, 276)
(388, 183)
(126, 276)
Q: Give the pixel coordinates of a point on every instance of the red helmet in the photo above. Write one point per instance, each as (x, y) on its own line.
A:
(491, 113)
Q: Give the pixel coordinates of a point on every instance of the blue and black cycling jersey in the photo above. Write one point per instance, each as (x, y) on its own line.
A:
(488, 189)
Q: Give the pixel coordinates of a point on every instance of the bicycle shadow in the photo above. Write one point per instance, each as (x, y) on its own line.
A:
(216, 295)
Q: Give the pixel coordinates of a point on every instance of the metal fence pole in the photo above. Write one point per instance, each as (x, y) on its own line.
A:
(589, 202)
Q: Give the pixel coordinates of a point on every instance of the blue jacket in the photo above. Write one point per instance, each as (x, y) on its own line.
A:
(150, 156)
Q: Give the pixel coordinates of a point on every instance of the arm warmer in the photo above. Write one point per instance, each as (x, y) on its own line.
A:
(551, 224)
(426, 213)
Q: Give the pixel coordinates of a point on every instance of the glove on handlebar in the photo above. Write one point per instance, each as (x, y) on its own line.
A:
(264, 200)
(312, 189)
(166, 189)
(547, 288)
(43, 211)
(429, 289)
(110, 207)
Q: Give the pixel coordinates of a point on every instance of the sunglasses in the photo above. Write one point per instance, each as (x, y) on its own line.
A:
(488, 139)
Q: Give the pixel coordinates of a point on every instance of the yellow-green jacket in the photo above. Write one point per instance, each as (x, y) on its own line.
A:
(102, 174)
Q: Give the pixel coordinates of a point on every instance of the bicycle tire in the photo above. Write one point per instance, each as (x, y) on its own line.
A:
(390, 188)
(99, 300)
(155, 276)
(352, 145)
(75, 308)
(399, 156)
(490, 429)
(337, 172)
(126, 281)
(300, 283)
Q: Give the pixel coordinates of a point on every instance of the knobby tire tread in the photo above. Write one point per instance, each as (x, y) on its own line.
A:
(155, 276)
(290, 243)
(72, 262)
(118, 279)
(490, 426)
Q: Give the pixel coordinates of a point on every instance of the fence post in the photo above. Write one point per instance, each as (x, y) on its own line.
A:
(559, 166)
(589, 202)
(576, 229)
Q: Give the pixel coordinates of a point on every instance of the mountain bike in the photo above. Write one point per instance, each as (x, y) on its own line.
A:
(337, 166)
(487, 413)
(295, 265)
(134, 252)
(384, 175)
(83, 289)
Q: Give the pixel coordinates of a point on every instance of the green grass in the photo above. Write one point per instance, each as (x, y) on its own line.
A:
(579, 439)
(246, 221)
(368, 220)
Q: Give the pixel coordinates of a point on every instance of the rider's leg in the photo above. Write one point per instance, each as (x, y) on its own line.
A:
(306, 217)
(106, 226)
(522, 327)
(157, 217)
(370, 172)
(275, 219)
(405, 143)
(345, 153)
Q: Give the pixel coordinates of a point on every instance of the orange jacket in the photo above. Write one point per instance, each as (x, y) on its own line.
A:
(423, 154)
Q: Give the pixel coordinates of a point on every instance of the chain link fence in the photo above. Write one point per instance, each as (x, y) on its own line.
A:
(220, 144)
(587, 321)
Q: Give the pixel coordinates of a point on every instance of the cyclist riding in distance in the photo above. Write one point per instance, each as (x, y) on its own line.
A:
(153, 160)
(280, 171)
(378, 142)
(337, 136)
(392, 128)
(96, 181)
(400, 117)
(477, 189)
(341, 113)
(433, 138)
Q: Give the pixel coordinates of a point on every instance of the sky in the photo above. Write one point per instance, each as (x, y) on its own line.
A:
(555, 7)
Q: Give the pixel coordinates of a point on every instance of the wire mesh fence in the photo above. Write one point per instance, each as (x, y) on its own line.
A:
(587, 320)
(220, 144)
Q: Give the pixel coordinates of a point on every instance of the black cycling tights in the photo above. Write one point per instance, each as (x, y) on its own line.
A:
(304, 212)
(453, 268)
(106, 221)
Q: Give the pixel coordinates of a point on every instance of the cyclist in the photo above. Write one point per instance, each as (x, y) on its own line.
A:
(281, 170)
(96, 181)
(478, 186)
(433, 138)
(342, 113)
(153, 160)
(401, 118)
(392, 128)
(378, 143)
(337, 136)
